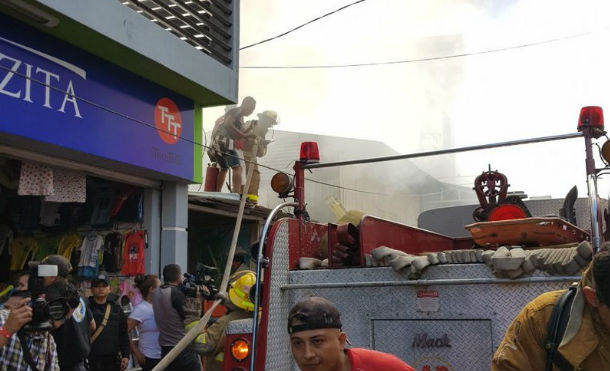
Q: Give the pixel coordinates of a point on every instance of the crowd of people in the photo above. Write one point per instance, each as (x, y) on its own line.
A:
(47, 325)
(53, 327)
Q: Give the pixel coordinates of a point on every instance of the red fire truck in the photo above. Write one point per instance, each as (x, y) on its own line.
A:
(452, 317)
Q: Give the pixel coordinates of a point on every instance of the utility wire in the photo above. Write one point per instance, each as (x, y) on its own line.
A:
(429, 59)
(151, 126)
(301, 26)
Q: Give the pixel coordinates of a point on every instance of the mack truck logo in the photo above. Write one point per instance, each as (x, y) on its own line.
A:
(424, 342)
(48, 80)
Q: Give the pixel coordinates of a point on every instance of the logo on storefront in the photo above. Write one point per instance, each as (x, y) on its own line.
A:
(16, 77)
(168, 121)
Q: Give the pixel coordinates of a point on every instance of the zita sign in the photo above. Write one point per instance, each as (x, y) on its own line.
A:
(54, 93)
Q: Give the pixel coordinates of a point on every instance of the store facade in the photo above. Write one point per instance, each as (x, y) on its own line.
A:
(94, 146)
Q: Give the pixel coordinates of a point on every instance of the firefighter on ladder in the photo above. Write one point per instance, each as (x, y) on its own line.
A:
(258, 143)
(239, 306)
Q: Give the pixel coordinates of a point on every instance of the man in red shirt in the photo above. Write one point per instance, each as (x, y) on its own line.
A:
(317, 342)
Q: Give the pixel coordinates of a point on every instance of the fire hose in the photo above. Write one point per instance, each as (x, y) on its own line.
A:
(198, 329)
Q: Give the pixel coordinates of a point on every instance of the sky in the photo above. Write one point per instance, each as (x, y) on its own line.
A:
(517, 69)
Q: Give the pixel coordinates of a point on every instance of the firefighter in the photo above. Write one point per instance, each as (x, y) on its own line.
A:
(585, 344)
(317, 342)
(229, 129)
(239, 306)
(259, 128)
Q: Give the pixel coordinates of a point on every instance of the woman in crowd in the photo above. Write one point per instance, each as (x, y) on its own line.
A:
(148, 351)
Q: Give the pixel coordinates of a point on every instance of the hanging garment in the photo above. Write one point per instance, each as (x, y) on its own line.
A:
(88, 263)
(67, 244)
(22, 249)
(49, 214)
(121, 196)
(68, 186)
(35, 180)
(133, 253)
(132, 208)
(130, 291)
(113, 243)
(46, 246)
(6, 237)
(102, 193)
(24, 212)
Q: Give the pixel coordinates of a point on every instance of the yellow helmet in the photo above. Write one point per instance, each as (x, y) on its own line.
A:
(239, 293)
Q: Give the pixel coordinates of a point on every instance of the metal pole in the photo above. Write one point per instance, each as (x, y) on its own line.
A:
(299, 189)
(433, 282)
(259, 260)
(592, 190)
(444, 151)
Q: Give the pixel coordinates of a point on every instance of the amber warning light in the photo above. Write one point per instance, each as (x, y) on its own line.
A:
(592, 117)
(310, 153)
(240, 349)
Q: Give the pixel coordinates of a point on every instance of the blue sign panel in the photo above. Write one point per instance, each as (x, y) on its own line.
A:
(55, 93)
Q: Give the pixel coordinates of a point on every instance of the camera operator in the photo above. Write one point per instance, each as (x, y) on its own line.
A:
(25, 340)
(169, 308)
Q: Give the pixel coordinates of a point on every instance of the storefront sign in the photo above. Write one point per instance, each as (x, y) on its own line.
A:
(55, 93)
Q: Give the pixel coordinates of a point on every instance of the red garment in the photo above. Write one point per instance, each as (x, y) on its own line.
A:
(372, 360)
(133, 254)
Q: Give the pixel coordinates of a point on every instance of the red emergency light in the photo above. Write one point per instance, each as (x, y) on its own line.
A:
(310, 153)
(591, 117)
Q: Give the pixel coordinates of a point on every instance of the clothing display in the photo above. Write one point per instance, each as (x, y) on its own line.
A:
(113, 252)
(6, 237)
(88, 263)
(133, 253)
(22, 249)
(35, 180)
(49, 214)
(68, 186)
(67, 244)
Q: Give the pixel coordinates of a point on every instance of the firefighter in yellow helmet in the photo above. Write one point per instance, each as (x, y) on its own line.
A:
(239, 306)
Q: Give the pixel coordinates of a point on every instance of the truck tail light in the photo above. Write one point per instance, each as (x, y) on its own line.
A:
(310, 153)
(240, 349)
(591, 117)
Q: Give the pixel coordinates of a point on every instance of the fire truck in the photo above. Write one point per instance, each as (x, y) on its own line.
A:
(449, 316)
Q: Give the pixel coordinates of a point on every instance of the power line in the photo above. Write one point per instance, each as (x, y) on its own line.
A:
(429, 59)
(301, 26)
(151, 126)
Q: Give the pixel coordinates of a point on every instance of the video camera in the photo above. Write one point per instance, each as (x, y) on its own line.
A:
(192, 283)
(43, 311)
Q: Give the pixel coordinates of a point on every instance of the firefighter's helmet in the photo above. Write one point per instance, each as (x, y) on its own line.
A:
(268, 118)
(239, 293)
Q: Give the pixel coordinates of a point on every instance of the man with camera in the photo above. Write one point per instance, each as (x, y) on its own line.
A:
(169, 307)
(72, 338)
(25, 339)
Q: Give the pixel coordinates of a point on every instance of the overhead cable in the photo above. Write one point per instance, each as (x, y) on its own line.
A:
(429, 59)
(301, 26)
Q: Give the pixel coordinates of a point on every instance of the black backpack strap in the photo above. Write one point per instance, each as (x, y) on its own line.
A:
(555, 330)
(26, 351)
